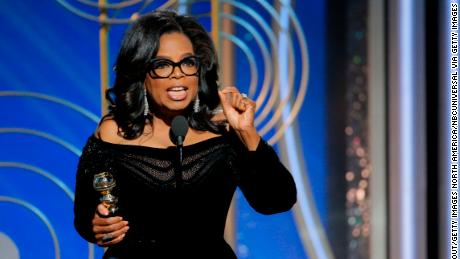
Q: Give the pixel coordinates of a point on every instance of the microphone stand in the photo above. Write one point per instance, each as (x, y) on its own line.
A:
(179, 163)
(177, 133)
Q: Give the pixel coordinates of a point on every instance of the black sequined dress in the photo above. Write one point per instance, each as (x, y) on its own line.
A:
(187, 220)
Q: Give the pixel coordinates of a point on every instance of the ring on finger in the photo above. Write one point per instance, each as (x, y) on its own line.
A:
(244, 95)
(107, 237)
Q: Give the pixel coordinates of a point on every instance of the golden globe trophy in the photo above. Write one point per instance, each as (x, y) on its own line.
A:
(104, 183)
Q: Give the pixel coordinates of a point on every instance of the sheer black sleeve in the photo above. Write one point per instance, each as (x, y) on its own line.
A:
(266, 184)
(93, 160)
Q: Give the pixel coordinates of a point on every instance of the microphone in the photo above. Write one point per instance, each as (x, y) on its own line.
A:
(179, 128)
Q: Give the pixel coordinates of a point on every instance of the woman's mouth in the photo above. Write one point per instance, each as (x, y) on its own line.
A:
(177, 93)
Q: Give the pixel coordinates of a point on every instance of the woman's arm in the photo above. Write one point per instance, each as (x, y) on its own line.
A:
(95, 226)
(86, 198)
(265, 182)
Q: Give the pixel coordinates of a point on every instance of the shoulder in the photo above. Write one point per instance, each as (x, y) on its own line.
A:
(108, 130)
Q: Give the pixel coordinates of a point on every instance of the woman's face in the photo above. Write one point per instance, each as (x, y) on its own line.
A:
(174, 93)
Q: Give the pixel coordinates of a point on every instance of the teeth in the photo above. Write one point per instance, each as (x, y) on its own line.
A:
(177, 88)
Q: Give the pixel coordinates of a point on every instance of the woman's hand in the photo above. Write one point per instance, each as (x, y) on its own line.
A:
(239, 111)
(108, 231)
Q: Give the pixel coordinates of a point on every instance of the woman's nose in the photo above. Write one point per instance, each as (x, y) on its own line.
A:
(177, 72)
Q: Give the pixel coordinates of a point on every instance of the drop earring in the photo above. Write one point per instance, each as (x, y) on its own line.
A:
(146, 104)
(196, 104)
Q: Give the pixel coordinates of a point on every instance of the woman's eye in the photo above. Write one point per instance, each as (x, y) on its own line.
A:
(190, 62)
(160, 65)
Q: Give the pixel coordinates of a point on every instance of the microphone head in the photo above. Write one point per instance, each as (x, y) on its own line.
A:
(179, 128)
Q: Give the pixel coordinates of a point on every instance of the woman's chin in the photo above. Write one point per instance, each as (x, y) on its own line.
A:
(179, 107)
(175, 109)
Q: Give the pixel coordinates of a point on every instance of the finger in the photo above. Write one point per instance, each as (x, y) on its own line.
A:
(234, 91)
(229, 89)
(112, 242)
(245, 103)
(102, 210)
(228, 93)
(97, 220)
(106, 237)
(101, 216)
(116, 240)
(241, 107)
(234, 99)
(97, 229)
(242, 104)
(225, 101)
(250, 104)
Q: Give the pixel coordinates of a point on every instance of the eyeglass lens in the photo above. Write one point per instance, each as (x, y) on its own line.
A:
(164, 68)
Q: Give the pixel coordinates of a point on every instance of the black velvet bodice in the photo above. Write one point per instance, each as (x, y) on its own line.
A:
(180, 219)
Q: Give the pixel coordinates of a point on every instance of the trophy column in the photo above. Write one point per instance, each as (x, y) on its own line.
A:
(104, 183)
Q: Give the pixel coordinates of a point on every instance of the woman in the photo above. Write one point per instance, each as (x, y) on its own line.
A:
(167, 66)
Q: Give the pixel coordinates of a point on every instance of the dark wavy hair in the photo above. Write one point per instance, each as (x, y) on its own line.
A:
(139, 46)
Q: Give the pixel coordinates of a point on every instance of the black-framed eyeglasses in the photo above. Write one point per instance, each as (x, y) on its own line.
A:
(163, 68)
